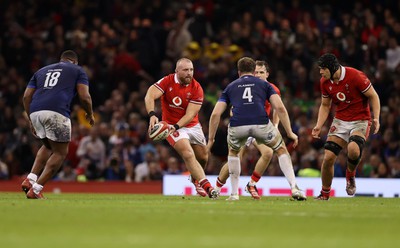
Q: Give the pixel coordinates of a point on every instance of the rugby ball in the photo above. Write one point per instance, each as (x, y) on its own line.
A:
(160, 131)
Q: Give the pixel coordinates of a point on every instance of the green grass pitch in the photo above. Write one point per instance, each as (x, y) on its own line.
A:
(119, 220)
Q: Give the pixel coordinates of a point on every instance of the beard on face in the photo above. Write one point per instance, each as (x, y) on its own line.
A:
(185, 80)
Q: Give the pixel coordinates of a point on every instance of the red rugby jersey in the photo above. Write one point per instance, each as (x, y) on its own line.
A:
(347, 94)
(176, 98)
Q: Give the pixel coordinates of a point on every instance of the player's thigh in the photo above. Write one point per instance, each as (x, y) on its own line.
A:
(38, 125)
(269, 136)
(237, 137)
(52, 125)
(60, 148)
(345, 129)
(200, 151)
(338, 140)
(183, 148)
(330, 155)
(265, 150)
(360, 128)
(178, 136)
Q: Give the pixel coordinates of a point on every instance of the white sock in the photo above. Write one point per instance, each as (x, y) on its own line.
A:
(218, 189)
(287, 168)
(37, 188)
(32, 178)
(234, 173)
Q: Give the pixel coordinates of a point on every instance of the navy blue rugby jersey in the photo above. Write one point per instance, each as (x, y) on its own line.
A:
(247, 95)
(55, 86)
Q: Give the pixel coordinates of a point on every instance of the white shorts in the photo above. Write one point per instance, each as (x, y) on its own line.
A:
(194, 134)
(344, 129)
(51, 125)
(264, 134)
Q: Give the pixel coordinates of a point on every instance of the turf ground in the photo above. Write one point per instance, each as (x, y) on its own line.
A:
(118, 220)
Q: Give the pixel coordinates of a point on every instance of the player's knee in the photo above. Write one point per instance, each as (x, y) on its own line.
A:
(333, 147)
(354, 161)
(187, 154)
(359, 141)
(203, 161)
(266, 152)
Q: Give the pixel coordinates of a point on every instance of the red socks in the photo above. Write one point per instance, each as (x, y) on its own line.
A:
(205, 184)
(255, 176)
(219, 183)
(350, 174)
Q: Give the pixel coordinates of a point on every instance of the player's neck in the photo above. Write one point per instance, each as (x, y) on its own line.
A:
(336, 76)
(242, 74)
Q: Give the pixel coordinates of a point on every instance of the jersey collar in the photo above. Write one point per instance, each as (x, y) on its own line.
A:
(342, 74)
(177, 81)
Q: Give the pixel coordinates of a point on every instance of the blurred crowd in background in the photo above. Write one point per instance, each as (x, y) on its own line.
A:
(125, 46)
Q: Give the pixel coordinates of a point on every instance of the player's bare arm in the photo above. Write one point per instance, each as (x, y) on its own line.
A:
(86, 101)
(323, 113)
(376, 107)
(215, 118)
(151, 96)
(27, 99)
(191, 111)
(275, 118)
(281, 111)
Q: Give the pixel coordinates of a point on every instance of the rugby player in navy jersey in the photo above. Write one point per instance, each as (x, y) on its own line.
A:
(47, 102)
(262, 72)
(247, 96)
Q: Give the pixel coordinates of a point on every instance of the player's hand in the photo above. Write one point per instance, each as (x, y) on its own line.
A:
(90, 119)
(153, 120)
(376, 124)
(295, 139)
(171, 129)
(315, 132)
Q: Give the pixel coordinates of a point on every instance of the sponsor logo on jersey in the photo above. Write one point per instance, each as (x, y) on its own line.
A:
(177, 101)
(341, 96)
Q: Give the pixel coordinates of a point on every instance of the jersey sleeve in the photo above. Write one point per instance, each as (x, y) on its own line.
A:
(82, 77)
(161, 84)
(324, 93)
(224, 96)
(362, 82)
(32, 82)
(276, 89)
(270, 90)
(198, 95)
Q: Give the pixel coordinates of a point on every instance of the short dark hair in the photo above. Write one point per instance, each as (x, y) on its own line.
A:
(246, 64)
(69, 54)
(263, 63)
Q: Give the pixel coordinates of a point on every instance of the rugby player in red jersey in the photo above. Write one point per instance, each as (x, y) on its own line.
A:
(352, 93)
(181, 99)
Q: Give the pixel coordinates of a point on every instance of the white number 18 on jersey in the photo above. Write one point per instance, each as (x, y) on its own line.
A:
(52, 79)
